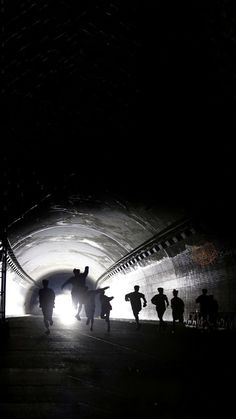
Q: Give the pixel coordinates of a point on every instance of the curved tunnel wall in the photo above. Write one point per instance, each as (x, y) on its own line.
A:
(188, 267)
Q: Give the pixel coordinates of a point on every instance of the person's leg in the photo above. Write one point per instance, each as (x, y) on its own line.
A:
(46, 323)
(92, 317)
(137, 321)
(103, 315)
(160, 316)
(45, 320)
(135, 312)
(74, 300)
(80, 308)
(78, 313)
(108, 321)
(50, 311)
(205, 323)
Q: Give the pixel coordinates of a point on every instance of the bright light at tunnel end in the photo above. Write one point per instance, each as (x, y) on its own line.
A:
(64, 310)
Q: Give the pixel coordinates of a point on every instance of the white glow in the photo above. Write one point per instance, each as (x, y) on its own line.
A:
(64, 310)
(15, 295)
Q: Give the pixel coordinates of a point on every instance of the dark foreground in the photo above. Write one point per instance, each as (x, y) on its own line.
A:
(74, 373)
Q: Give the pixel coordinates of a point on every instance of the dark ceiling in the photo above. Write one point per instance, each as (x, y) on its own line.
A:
(134, 99)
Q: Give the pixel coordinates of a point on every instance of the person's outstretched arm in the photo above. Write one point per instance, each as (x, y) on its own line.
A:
(86, 270)
(101, 289)
(104, 288)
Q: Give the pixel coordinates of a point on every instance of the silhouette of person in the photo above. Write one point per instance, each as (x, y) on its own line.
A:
(106, 307)
(203, 301)
(177, 306)
(213, 309)
(78, 289)
(161, 302)
(89, 304)
(135, 298)
(47, 303)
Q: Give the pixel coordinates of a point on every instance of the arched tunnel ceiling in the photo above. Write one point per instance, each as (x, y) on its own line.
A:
(84, 231)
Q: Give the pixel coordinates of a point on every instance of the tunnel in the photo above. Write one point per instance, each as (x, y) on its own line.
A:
(124, 244)
(117, 153)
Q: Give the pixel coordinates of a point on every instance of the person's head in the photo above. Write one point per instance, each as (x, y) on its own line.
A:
(136, 287)
(160, 290)
(175, 293)
(76, 271)
(204, 291)
(45, 283)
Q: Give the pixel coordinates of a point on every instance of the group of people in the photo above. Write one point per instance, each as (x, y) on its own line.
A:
(161, 303)
(83, 296)
(208, 307)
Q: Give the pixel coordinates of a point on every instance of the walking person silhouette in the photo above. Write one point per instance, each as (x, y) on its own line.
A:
(78, 289)
(135, 299)
(106, 307)
(47, 303)
(177, 306)
(203, 301)
(161, 302)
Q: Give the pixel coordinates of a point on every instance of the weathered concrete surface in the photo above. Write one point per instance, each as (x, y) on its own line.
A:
(75, 373)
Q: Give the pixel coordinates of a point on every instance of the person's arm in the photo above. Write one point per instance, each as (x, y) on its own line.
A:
(153, 300)
(101, 289)
(104, 288)
(167, 301)
(86, 271)
(127, 296)
(144, 300)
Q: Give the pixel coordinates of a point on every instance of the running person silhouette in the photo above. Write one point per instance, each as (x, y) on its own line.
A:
(78, 288)
(47, 303)
(105, 308)
(161, 302)
(135, 299)
(90, 304)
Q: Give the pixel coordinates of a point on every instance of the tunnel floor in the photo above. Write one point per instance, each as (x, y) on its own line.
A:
(75, 373)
